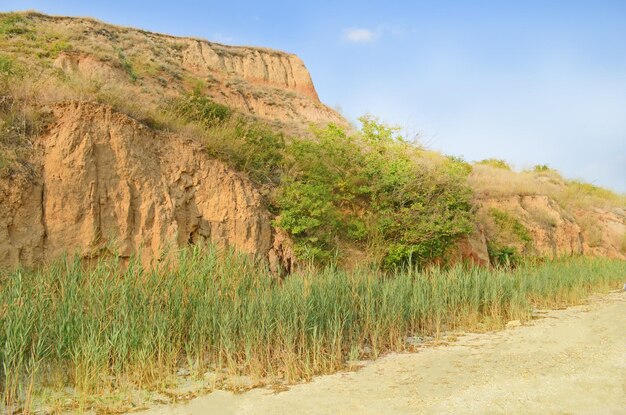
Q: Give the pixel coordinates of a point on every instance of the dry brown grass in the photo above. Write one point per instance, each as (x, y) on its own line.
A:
(490, 182)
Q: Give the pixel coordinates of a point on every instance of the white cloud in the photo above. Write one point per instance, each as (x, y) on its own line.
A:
(359, 35)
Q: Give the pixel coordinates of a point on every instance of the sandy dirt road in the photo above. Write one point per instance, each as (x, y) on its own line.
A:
(568, 362)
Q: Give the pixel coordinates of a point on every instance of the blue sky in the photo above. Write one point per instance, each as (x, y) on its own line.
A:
(533, 82)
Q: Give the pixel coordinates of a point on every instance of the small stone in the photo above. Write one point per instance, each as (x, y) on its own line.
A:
(183, 372)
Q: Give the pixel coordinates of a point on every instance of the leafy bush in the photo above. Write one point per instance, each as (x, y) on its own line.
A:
(511, 226)
(540, 168)
(320, 178)
(372, 189)
(458, 163)
(508, 239)
(258, 150)
(197, 107)
(506, 256)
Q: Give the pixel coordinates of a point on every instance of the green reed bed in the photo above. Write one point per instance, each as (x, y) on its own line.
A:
(97, 328)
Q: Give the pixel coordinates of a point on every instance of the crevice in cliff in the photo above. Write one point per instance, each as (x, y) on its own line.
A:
(42, 218)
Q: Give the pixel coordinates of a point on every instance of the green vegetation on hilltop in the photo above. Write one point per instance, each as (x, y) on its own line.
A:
(13, 24)
(19, 121)
(110, 327)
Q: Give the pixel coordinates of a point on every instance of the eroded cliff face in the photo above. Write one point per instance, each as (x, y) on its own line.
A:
(472, 248)
(98, 180)
(547, 230)
(102, 181)
(257, 66)
(272, 85)
(604, 231)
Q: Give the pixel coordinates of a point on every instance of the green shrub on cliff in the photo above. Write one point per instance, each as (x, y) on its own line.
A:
(510, 235)
(375, 190)
(197, 107)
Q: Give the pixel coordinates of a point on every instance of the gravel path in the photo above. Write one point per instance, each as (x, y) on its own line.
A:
(570, 361)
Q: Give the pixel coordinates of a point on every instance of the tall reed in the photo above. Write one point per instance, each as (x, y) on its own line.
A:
(94, 328)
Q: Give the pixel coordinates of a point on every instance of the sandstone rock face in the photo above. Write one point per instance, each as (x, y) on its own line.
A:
(22, 227)
(108, 182)
(269, 84)
(258, 66)
(98, 180)
(605, 233)
(88, 66)
(473, 248)
(553, 233)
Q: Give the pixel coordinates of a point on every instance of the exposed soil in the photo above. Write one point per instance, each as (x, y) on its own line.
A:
(569, 361)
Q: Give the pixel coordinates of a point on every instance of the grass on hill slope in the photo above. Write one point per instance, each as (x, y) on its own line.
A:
(490, 180)
(101, 328)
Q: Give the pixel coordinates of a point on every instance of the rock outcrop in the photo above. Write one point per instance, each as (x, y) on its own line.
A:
(254, 65)
(472, 249)
(89, 67)
(550, 231)
(604, 232)
(272, 85)
(105, 181)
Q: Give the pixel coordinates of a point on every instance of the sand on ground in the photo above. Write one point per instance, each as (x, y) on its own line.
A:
(570, 361)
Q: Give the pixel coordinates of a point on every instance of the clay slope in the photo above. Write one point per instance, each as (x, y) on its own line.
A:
(102, 181)
(547, 230)
(268, 84)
